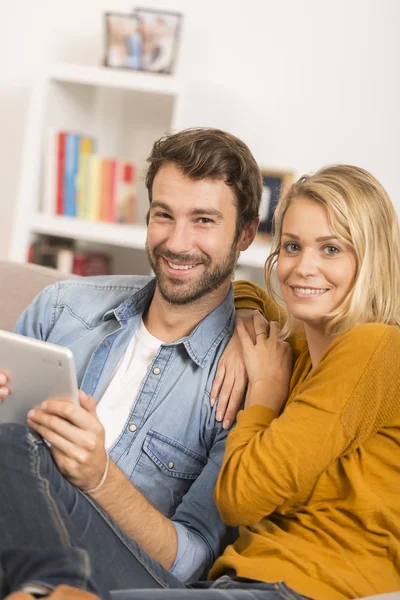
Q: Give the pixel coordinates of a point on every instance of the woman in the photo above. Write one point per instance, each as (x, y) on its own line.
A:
(312, 470)
(321, 482)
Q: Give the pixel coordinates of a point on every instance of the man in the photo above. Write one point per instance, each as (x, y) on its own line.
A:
(146, 350)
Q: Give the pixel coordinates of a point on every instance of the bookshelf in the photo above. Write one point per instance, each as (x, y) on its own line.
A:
(126, 112)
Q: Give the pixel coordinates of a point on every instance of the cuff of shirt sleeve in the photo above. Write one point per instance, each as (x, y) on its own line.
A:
(192, 557)
(250, 303)
(256, 416)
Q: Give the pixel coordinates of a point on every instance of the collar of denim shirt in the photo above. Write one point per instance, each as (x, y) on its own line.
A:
(201, 342)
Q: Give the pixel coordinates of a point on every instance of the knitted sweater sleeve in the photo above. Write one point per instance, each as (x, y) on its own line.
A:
(252, 296)
(352, 393)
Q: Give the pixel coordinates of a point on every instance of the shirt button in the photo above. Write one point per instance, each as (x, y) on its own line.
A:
(156, 371)
(170, 465)
(132, 427)
(106, 343)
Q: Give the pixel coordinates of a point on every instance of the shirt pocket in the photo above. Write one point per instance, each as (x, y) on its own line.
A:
(174, 459)
(167, 469)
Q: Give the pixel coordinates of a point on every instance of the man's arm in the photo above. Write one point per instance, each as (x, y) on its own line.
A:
(189, 543)
(137, 517)
(77, 445)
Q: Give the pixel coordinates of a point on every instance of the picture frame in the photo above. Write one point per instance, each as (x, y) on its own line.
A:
(163, 31)
(275, 182)
(118, 29)
(144, 40)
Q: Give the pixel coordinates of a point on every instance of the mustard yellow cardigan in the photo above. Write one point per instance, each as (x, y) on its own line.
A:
(316, 491)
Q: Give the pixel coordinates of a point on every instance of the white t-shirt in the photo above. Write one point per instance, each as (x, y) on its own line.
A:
(116, 403)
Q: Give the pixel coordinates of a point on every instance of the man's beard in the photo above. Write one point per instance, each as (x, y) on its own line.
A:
(180, 292)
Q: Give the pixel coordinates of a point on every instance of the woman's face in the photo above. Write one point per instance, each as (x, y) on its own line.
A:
(315, 268)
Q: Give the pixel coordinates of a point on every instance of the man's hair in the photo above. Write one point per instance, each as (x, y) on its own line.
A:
(206, 153)
(362, 215)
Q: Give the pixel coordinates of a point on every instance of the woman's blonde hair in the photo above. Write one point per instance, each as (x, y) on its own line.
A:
(361, 214)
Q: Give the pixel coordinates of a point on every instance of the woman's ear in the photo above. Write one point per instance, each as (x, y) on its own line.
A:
(248, 234)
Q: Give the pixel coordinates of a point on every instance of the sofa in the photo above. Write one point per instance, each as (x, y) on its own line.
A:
(19, 284)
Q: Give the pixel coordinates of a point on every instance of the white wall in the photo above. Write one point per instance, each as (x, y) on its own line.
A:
(303, 83)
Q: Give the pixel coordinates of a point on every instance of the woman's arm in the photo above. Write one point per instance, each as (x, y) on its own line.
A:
(231, 378)
(354, 391)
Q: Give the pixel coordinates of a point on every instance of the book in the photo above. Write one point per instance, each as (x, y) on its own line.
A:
(71, 158)
(115, 168)
(88, 264)
(60, 145)
(54, 253)
(104, 196)
(126, 198)
(86, 185)
(60, 254)
(86, 147)
(93, 204)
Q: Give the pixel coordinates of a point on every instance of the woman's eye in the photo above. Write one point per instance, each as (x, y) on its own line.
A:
(331, 250)
(291, 247)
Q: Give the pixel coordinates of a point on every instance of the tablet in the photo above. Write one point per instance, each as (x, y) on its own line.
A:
(36, 371)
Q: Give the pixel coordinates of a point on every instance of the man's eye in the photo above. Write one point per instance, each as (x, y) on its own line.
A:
(162, 216)
(204, 220)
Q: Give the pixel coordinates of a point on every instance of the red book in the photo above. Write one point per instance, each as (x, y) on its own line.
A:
(87, 264)
(31, 253)
(126, 200)
(60, 204)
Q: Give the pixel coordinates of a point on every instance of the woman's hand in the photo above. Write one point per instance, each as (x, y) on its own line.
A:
(268, 362)
(231, 377)
(229, 383)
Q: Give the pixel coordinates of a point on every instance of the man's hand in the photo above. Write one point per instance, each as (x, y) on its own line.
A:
(76, 437)
(4, 387)
(268, 362)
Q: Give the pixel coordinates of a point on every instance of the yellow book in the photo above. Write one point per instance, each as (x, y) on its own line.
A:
(83, 177)
(93, 204)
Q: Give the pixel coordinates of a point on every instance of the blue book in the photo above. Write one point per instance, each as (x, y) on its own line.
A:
(71, 162)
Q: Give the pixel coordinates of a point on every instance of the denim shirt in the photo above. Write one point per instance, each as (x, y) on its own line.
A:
(171, 447)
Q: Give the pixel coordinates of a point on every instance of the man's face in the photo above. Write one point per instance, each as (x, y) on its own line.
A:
(191, 235)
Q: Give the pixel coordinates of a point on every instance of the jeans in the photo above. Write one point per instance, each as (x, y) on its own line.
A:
(224, 588)
(52, 533)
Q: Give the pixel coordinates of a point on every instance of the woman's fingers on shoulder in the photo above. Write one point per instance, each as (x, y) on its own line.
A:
(274, 329)
(261, 325)
(217, 383)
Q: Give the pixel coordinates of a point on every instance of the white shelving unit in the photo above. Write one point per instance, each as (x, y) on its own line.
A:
(124, 236)
(126, 112)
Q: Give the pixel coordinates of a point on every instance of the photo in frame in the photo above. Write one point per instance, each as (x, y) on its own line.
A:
(161, 33)
(274, 183)
(145, 40)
